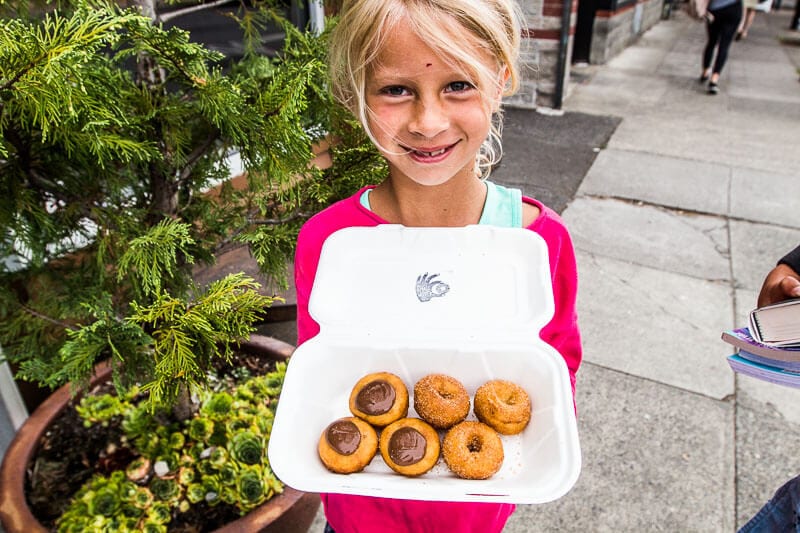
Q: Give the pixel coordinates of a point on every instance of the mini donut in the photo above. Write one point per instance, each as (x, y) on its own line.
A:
(503, 405)
(441, 400)
(379, 398)
(410, 446)
(473, 450)
(347, 445)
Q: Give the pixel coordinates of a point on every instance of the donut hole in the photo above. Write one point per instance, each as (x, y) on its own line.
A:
(475, 444)
(512, 399)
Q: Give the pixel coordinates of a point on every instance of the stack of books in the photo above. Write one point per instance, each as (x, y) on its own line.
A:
(770, 348)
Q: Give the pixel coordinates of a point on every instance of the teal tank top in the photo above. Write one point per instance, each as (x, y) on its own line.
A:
(503, 206)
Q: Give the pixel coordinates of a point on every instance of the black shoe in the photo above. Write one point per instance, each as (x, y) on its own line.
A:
(713, 88)
(703, 78)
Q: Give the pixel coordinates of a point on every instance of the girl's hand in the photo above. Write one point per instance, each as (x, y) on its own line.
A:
(780, 284)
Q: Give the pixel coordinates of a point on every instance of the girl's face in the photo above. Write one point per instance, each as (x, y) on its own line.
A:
(428, 120)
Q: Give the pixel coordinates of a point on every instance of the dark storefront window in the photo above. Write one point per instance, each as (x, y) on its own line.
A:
(218, 31)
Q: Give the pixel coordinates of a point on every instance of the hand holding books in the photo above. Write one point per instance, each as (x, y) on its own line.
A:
(770, 349)
(783, 281)
(776, 321)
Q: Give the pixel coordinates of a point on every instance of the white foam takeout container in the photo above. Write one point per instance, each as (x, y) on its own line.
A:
(484, 327)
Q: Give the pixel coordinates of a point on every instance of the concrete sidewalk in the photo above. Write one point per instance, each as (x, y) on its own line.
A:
(676, 223)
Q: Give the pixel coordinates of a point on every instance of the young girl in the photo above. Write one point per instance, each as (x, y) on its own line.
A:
(426, 78)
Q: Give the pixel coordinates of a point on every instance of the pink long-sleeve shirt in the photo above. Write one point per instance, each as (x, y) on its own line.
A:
(366, 514)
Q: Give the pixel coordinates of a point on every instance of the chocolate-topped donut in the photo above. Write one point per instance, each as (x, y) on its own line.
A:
(343, 436)
(379, 398)
(410, 446)
(347, 445)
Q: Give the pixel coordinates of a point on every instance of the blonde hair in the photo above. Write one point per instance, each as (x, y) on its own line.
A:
(493, 29)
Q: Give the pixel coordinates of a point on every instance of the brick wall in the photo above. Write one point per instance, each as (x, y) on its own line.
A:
(615, 30)
(539, 67)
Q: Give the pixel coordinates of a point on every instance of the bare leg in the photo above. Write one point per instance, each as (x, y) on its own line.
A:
(747, 21)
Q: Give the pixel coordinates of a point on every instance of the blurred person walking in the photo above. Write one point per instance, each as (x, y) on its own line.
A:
(751, 8)
(722, 19)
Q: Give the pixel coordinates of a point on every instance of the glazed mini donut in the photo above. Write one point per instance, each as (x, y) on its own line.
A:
(379, 398)
(347, 445)
(473, 450)
(410, 446)
(503, 405)
(441, 400)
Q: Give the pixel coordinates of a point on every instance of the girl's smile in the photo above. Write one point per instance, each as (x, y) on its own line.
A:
(428, 119)
(429, 155)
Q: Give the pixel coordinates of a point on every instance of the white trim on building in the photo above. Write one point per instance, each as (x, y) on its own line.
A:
(11, 398)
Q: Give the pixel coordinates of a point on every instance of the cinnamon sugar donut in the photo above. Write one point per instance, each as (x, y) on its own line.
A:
(473, 450)
(441, 400)
(503, 405)
(379, 398)
(347, 445)
(410, 446)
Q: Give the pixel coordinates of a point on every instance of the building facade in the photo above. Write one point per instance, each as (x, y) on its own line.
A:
(557, 34)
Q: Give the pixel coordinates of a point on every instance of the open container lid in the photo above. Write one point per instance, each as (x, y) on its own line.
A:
(480, 281)
(375, 316)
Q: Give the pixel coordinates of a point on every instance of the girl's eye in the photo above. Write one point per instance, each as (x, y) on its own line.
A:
(395, 90)
(459, 86)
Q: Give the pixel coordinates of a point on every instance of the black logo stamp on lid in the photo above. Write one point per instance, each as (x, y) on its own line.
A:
(429, 287)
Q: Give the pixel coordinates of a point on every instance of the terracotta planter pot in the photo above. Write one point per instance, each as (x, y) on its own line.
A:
(290, 512)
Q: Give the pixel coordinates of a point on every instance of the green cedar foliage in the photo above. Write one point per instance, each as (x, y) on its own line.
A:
(112, 131)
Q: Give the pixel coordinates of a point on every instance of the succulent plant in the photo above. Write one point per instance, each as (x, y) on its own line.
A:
(159, 513)
(201, 429)
(101, 409)
(251, 486)
(139, 421)
(139, 469)
(142, 499)
(177, 467)
(167, 490)
(195, 492)
(186, 475)
(111, 504)
(219, 405)
(219, 457)
(247, 448)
